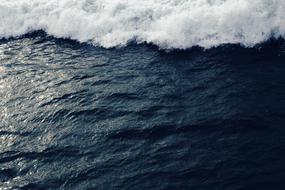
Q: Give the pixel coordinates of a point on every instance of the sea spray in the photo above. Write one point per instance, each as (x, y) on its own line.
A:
(168, 24)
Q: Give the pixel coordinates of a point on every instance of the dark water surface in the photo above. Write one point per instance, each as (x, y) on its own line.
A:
(74, 116)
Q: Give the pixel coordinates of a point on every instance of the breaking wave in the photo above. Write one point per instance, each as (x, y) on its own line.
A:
(166, 23)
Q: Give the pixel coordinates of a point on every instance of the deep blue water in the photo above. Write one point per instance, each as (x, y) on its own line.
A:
(75, 116)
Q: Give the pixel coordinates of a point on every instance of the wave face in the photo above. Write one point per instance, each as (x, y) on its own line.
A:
(166, 23)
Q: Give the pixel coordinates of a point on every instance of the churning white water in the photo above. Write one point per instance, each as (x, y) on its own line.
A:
(165, 23)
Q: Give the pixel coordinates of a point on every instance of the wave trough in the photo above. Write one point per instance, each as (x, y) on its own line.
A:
(168, 24)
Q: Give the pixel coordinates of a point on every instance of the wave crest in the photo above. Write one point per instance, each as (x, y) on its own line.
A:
(167, 23)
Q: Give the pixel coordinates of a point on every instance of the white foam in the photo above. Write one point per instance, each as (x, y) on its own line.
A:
(166, 23)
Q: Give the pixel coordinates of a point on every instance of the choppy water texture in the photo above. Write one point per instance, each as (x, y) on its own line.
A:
(74, 116)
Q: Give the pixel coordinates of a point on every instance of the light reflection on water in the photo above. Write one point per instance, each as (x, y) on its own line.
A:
(75, 117)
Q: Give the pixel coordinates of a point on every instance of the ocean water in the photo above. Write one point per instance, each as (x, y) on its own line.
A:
(160, 95)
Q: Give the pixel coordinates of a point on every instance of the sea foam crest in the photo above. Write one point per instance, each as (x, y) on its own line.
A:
(166, 23)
